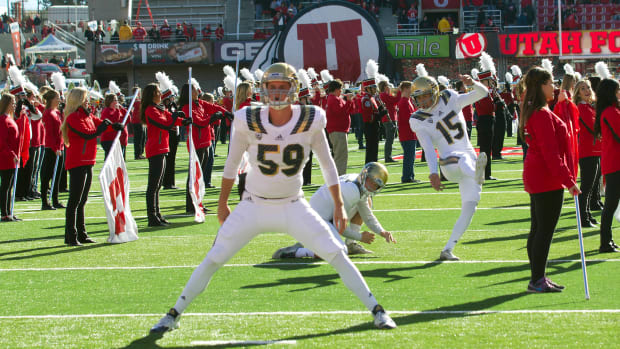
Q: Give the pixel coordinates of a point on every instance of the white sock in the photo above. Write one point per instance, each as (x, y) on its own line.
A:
(197, 283)
(352, 278)
(303, 252)
(467, 213)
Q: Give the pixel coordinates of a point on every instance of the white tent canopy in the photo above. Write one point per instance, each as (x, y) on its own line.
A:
(51, 44)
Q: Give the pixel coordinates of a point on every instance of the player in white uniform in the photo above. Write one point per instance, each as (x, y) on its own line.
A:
(357, 200)
(278, 138)
(439, 123)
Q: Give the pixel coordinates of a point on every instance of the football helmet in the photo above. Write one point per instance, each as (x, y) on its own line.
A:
(377, 173)
(424, 85)
(279, 72)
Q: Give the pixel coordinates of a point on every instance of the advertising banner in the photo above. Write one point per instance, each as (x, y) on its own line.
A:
(153, 53)
(227, 51)
(408, 47)
(574, 43)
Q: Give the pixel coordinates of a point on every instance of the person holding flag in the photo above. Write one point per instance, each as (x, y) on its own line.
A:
(53, 159)
(80, 130)
(9, 150)
(114, 112)
(159, 122)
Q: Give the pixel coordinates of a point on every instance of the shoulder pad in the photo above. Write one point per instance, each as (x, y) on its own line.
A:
(445, 96)
(306, 117)
(421, 115)
(252, 117)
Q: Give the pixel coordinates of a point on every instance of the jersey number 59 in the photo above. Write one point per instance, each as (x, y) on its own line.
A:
(292, 155)
(447, 124)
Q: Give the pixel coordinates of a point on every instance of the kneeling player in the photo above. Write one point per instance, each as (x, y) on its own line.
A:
(357, 192)
(439, 122)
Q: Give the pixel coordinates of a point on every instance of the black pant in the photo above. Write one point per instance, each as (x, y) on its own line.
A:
(596, 190)
(63, 176)
(223, 132)
(357, 125)
(485, 138)
(173, 142)
(612, 195)
(499, 131)
(35, 155)
(139, 140)
(202, 155)
(589, 168)
(47, 173)
(80, 179)
(107, 145)
(469, 128)
(24, 175)
(6, 185)
(545, 211)
(371, 132)
(209, 164)
(157, 167)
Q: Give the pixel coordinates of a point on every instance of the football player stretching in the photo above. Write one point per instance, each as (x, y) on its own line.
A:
(357, 191)
(439, 123)
(278, 137)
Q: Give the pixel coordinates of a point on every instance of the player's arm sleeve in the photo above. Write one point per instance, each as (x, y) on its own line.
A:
(321, 149)
(478, 93)
(352, 233)
(368, 217)
(238, 145)
(429, 150)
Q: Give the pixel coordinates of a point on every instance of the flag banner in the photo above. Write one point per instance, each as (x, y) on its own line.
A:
(115, 188)
(17, 46)
(196, 183)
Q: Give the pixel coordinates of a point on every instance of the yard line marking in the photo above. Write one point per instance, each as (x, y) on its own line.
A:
(246, 342)
(307, 263)
(332, 312)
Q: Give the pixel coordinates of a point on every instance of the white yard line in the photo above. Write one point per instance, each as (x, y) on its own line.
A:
(310, 313)
(308, 263)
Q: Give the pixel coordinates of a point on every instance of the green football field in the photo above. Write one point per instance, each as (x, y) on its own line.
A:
(108, 296)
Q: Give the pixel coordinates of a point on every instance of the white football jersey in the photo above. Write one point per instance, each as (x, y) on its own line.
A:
(277, 154)
(444, 126)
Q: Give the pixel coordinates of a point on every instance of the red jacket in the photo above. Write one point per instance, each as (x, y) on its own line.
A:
(390, 103)
(38, 131)
(52, 119)
(139, 34)
(610, 158)
(246, 103)
(114, 115)
(568, 112)
(588, 144)
(368, 107)
(405, 109)
(165, 31)
(468, 113)
(485, 106)
(158, 122)
(202, 134)
(9, 142)
(135, 113)
(338, 114)
(547, 164)
(82, 148)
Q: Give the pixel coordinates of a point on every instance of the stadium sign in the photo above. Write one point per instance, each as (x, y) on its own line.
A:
(574, 43)
(227, 51)
(441, 4)
(333, 35)
(410, 47)
(141, 53)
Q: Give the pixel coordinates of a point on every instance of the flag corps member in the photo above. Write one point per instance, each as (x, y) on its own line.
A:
(80, 131)
(114, 182)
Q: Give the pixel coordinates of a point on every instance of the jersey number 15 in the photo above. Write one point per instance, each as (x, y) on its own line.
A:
(292, 155)
(447, 124)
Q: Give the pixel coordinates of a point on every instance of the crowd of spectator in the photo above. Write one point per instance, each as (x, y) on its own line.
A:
(166, 33)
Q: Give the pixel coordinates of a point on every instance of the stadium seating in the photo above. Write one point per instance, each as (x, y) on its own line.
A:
(589, 16)
(197, 12)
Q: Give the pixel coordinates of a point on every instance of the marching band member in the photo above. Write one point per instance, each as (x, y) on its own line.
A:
(546, 172)
(114, 112)
(80, 130)
(52, 118)
(607, 126)
(371, 112)
(389, 120)
(9, 151)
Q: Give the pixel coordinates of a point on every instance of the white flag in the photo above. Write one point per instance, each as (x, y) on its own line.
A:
(196, 182)
(115, 188)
